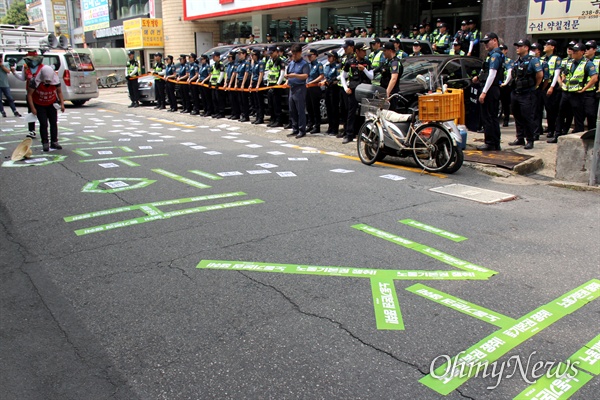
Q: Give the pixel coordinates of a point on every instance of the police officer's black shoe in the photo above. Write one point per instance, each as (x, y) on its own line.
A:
(315, 129)
(553, 140)
(528, 146)
(339, 135)
(291, 134)
(517, 142)
(300, 135)
(550, 135)
(488, 147)
(131, 105)
(194, 113)
(536, 137)
(162, 108)
(136, 104)
(157, 107)
(505, 124)
(219, 116)
(347, 139)
(277, 125)
(245, 119)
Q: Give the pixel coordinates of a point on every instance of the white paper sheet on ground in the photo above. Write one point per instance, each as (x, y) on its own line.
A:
(233, 128)
(212, 153)
(267, 165)
(154, 133)
(258, 171)
(155, 140)
(189, 144)
(105, 152)
(285, 174)
(89, 130)
(187, 130)
(276, 153)
(35, 160)
(247, 155)
(334, 153)
(273, 131)
(288, 145)
(228, 137)
(222, 126)
(297, 158)
(18, 126)
(242, 141)
(202, 126)
(118, 126)
(115, 131)
(116, 184)
(67, 133)
(174, 129)
(145, 147)
(342, 171)
(253, 146)
(278, 141)
(122, 139)
(230, 173)
(198, 147)
(393, 177)
(76, 117)
(109, 165)
(167, 137)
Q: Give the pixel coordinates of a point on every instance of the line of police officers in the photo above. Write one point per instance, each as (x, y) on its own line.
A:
(568, 89)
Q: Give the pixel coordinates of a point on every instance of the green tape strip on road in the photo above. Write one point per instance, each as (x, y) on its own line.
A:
(431, 229)
(141, 220)
(385, 302)
(465, 307)
(93, 186)
(153, 204)
(124, 160)
(52, 159)
(449, 377)
(206, 175)
(180, 178)
(562, 384)
(338, 271)
(151, 210)
(588, 357)
(429, 251)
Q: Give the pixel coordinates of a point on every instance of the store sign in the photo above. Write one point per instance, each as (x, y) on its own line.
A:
(215, 8)
(95, 14)
(143, 33)
(112, 31)
(35, 13)
(59, 9)
(563, 16)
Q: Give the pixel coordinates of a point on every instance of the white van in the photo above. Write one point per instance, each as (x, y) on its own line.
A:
(75, 70)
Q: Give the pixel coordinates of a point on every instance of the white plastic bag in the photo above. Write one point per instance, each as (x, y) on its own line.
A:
(29, 117)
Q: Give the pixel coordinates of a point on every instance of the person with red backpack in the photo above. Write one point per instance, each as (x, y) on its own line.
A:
(31, 67)
(42, 95)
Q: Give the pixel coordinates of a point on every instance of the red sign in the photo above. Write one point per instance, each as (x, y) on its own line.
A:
(226, 1)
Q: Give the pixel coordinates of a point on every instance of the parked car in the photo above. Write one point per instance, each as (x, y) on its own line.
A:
(75, 70)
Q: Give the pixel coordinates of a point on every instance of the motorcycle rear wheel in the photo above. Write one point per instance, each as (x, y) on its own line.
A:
(432, 147)
(368, 144)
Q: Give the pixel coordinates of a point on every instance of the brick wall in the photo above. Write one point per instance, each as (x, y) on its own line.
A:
(179, 34)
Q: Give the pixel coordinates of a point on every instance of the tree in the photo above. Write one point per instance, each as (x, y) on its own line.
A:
(16, 14)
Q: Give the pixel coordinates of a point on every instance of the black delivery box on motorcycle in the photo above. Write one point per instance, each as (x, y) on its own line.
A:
(367, 91)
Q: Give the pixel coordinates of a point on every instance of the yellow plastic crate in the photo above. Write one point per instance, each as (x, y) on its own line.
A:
(440, 107)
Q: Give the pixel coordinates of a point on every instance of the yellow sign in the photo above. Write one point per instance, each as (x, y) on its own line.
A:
(552, 17)
(143, 33)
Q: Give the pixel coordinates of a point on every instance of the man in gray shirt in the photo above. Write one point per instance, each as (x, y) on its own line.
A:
(5, 90)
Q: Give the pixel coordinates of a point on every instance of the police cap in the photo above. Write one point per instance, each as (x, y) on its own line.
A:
(193, 55)
(523, 42)
(578, 47)
(204, 57)
(216, 54)
(182, 56)
(158, 54)
(501, 47)
(463, 23)
(348, 43)
(131, 52)
(488, 37)
(170, 57)
(591, 44)
(314, 52)
(395, 26)
(550, 42)
(362, 46)
(417, 43)
(332, 54)
(536, 46)
(376, 40)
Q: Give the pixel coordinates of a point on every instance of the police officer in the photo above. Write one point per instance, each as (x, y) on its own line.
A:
(579, 75)
(192, 80)
(159, 82)
(416, 49)
(313, 101)
(436, 31)
(461, 36)
(258, 71)
(217, 77)
(401, 54)
(205, 92)
(252, 39)
(592, 98)
(377, 59)
(473, 39)
(455, 50)
(363, 33)
(371, 32)
(297, 74)
(424, 36)
(391, 71)
(414, 32)
(442, 39)
(242, 81)
(540, 92)
(491, 75)
(565, 113)
(527, 77)
(274, 68)
(230, 80)
(287, 38)
(396, 32)
(269, 38)
(355, 71)
(171, 74)
(553, 91)
(505, 87)
(332, 93)
(184, 88)
(132, 73)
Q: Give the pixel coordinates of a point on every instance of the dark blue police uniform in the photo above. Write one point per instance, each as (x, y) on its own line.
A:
(297, 97)
(523, 101)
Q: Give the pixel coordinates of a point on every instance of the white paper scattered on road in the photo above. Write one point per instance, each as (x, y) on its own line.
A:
(285, 174)
(267, 165)
(254, 146)
(276, 153)
(197, 147)
(242, 141)
(230, 173)
(393, 177)
(189, 144)
(297, 158)
(145, 147)
(35, 160)
(105, 152)
(212, 153)
(342, 171)
(278, 141)
(258, 171)
(109, 165)
(247, 155)
(155, 140)
(273, 131)
(116, 184)
(122, 139)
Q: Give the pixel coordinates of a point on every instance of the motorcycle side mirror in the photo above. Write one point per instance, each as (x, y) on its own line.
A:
(422, 80)
(445, 78)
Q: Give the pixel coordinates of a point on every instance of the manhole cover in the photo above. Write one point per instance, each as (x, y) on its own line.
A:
(473, 193)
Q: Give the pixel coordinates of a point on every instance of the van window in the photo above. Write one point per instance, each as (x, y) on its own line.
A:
(19, 59)
(85, 62)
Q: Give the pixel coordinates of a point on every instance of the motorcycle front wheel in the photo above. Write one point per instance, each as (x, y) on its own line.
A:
(368, 144)
(432, 147)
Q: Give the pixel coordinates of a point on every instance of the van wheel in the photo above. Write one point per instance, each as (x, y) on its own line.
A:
(78, 103)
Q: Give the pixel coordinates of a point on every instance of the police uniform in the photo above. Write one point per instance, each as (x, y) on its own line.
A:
(377, 58)
(506, 91)
(355, 78)
(171, 73)
(194, 89)
(233, 96)
(489, 108)
(159, 84)
(314, 98)
(184, 87)
(577, 75)
(472, 39)
(205, 93)
(453, 52)
(273, 70)
(297, 97)
(243, 68)
(524, 99)
(442, 42)
(592, 97)
(132, 73)
(552, 102)
(540, 93)
(259, 100)
(217, 76)
(332, 97)
(392, 66)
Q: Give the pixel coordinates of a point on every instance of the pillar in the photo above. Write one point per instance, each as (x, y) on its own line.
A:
(317, 18)
(260, 26)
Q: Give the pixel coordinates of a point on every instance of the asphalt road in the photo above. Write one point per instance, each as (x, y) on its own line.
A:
(96, 309)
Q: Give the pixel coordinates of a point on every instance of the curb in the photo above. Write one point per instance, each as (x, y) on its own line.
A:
(582, 187)
(529, 166)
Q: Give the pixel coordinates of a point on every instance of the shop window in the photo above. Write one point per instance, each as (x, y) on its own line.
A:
(235, 32)
(120, 9)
